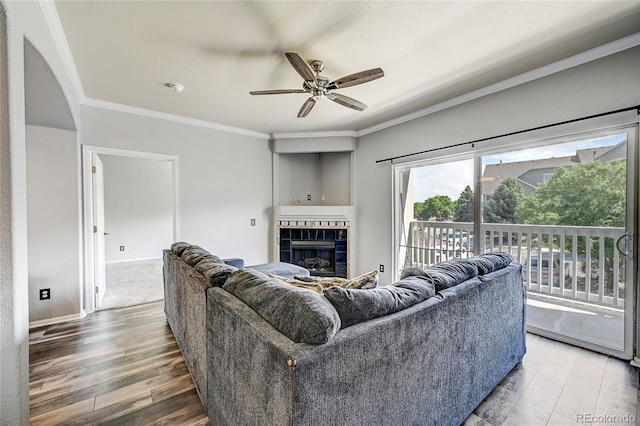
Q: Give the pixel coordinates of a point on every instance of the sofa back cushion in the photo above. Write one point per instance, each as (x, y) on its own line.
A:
(453, 272)
(216, 272)
(179, 247)
(302, 315)
(358, 305)
(194, 254)
(489, 262)
(446, 274)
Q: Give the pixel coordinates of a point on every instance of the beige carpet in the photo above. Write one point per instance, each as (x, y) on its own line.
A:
(133, 283)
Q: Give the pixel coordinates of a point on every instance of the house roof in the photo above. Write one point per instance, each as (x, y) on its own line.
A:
(494, 174)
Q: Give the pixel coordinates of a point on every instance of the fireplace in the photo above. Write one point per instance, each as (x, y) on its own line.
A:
(323, 251)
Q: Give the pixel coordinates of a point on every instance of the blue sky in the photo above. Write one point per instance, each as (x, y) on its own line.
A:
(451, 178)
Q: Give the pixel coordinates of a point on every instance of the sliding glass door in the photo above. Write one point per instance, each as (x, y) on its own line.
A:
(565, 211)
(563, 208)
(435, 205)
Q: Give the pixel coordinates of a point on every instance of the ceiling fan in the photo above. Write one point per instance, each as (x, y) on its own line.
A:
(320, 87)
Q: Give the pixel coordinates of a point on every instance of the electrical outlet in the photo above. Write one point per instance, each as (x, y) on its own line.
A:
(45, 293)
(121, 248)
(253, 222)
(308, 197)
(381, 268)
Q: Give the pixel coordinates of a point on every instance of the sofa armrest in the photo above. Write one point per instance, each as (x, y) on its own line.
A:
(250, 365)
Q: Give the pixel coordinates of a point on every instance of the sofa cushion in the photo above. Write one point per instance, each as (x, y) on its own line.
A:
(358, 305)
(303, 316)
(445, 274)
(194, 254)
(489, 262)
(216, 272)
(178, 247)
(364, 281)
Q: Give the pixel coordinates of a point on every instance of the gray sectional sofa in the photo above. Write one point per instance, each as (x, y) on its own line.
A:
(425, 350)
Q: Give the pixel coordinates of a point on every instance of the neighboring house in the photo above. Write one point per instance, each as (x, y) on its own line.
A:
(533, 173)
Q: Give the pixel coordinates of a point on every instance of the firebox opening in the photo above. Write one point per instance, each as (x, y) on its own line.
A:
(319, 257)
(323, 251)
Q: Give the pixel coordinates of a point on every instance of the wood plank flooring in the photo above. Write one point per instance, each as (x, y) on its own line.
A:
(120, 367)
(123, 367)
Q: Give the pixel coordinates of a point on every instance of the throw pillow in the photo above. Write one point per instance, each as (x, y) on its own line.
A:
(301, 315)
(358, 305)
(216, 272)
(364, 281)
(309, 285)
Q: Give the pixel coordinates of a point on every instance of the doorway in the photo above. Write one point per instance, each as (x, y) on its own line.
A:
(131, 214)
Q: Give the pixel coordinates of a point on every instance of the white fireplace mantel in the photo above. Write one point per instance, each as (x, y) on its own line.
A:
(316, 217)
(319, 213)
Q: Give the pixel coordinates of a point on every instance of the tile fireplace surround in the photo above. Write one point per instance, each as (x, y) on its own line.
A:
(324, 231)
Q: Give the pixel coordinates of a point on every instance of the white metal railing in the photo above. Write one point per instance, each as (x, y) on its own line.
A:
(574, 262)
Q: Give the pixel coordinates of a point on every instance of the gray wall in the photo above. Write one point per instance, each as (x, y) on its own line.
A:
(24, 20)
(315, 174)
(224, 178)
(53, 222)
(603, 85)
(138, 207)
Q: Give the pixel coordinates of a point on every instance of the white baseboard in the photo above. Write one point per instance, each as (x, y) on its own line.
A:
(56, 320)
(133, 260)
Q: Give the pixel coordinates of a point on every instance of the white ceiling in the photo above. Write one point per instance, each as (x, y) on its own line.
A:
(126, 52)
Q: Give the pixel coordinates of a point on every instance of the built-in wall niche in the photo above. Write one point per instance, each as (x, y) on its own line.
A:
(324, 177)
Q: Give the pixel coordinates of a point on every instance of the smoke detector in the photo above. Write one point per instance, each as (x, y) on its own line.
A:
(176, 87)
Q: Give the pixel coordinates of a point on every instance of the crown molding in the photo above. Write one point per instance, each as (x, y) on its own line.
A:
(97, 103)
(544, 71)
(304, 135)
(55, 26)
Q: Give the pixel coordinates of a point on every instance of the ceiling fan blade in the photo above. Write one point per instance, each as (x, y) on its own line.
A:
(300, 66)
(357, 78)
(306, 107)
(276, 92)
(346, 101)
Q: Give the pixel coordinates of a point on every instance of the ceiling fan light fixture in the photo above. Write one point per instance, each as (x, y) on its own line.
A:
(176, 87)
(320, 87)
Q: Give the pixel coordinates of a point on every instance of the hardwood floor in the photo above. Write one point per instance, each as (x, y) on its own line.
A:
(123, 367)
(119, 366)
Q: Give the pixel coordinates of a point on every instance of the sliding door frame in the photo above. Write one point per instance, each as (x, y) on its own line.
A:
(537, 138)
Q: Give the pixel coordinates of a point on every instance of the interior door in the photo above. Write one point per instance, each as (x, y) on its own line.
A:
(98, 231)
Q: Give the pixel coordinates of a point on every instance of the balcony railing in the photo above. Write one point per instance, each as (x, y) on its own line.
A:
(578, 263)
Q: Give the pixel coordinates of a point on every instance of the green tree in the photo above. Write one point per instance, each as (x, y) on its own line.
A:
(591, 194)
(439, 206)
(503, 204)
(463, 206)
